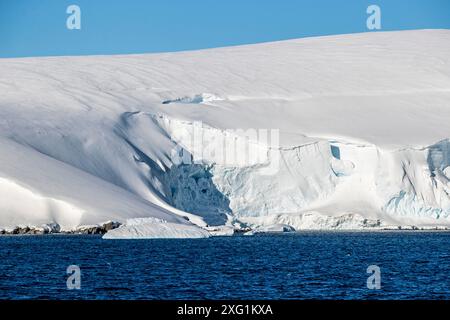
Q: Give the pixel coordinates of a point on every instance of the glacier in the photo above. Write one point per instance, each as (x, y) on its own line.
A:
(362, 141)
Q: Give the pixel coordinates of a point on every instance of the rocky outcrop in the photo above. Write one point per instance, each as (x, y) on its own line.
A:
(98, 228)
(32, 230)
(54, 228)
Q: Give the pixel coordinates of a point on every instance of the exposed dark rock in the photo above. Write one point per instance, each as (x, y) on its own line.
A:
(110, 225)
(54, 228)
(21, 230)
(97, 229)
(33, 230)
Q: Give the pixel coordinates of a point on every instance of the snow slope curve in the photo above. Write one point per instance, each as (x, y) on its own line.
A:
(362, 119)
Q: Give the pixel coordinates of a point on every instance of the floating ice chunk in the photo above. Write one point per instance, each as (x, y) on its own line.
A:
(221, 231)
(275, 228)
(153, 228)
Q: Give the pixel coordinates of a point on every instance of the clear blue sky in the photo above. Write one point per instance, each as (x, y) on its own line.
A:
(38, 27)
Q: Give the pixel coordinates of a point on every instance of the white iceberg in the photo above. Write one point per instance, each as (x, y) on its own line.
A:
(221, 231)
(151, 228)
(274, 228)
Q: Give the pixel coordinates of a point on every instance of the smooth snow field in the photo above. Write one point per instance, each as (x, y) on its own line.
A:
(358, 130)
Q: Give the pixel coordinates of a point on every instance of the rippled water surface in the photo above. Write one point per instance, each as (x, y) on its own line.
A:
(311, 265)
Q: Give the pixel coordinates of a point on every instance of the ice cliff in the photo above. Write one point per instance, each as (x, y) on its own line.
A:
(338, 132)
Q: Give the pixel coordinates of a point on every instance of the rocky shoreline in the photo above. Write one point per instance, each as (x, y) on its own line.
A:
(54, 228)
(103, 228)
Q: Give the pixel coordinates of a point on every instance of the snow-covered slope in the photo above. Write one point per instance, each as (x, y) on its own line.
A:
(363, 124)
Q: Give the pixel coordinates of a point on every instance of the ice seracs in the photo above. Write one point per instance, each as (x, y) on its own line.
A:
(362, 122)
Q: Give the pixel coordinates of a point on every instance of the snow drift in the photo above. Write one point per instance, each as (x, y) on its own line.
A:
(362, 123)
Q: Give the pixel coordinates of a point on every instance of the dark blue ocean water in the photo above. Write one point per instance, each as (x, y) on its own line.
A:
(311, 265)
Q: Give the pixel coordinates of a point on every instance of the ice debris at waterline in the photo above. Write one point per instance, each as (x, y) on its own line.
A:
(151, 228)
